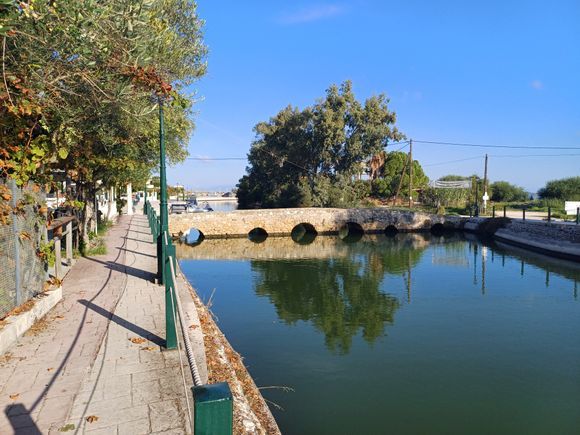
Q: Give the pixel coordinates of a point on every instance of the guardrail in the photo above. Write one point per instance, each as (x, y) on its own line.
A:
(212, 403)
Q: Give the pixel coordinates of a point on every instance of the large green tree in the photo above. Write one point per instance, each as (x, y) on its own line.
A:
(81, 83)
(502, 191)
(393, 177)
(565, 189)
(313, 156)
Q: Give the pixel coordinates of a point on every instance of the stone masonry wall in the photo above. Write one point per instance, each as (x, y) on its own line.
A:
(282, 221)
(540, 229)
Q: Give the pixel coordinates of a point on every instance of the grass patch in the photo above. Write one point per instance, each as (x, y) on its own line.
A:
(96, 247)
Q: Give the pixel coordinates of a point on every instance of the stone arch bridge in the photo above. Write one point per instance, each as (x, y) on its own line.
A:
(279, 222)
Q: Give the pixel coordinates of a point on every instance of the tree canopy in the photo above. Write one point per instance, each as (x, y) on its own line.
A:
(389, 182)
(566, 189)
(312, 156)
(507, 192)
(81, 82)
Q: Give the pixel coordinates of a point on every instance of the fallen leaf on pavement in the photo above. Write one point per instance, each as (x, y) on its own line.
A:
(137, 340)
(59, 317)
(92, 418)
(148, 348)
(14, 396)
(194, 326)
(67, 427)
(50, 369)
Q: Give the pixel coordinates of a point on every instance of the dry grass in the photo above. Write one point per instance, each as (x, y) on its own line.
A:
(226, 365)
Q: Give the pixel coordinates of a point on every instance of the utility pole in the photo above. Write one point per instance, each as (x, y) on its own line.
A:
(485, 196)
(410, 173)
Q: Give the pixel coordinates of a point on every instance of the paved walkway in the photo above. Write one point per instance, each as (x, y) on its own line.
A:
(95, 363)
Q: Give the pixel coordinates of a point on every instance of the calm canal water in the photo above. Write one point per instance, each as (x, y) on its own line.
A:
(413, 334)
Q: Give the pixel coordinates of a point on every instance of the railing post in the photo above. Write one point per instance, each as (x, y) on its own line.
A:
(549, 214)
(68, 243)
(57, 258)
(213, 409)
(170, 331)
(577, 215)
(493, 211)
(504, 210)
(524, 213)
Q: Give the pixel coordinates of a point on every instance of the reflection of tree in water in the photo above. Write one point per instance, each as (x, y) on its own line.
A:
(338, 295)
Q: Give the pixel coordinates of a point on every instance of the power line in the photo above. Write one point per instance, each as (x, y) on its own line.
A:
(404, 146)
(454, 161)
(458, 144)
(203, 159)
(533, 155)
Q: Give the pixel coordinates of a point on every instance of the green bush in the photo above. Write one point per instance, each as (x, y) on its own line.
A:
(565, 189)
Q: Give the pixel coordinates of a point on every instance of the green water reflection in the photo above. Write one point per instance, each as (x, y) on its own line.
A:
(409, 334)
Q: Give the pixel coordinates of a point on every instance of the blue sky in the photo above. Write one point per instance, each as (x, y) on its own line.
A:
(495, 72)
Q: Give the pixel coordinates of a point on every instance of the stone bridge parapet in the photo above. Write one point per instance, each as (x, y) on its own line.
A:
(278, 222)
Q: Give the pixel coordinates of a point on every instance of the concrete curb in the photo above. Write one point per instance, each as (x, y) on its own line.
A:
(17, 325)
(558, 248)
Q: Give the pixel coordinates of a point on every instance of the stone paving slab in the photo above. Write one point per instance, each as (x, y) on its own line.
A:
(99, 352)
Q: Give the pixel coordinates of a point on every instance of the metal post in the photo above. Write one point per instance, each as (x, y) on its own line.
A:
(57, 258)
(68, 244)
(577, 215)
(410, 173)
(524, 213)
(163, 216)
(476, 198)
(504, 210)
(493, 213)
(549, 214)
(129, 199)
(213, 409)
(145, 199)
(170, 331)
(17, 266)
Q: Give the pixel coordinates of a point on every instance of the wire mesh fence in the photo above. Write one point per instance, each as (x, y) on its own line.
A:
(22, 272)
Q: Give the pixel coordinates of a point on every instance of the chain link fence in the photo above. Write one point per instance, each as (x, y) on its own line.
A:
(22, 272)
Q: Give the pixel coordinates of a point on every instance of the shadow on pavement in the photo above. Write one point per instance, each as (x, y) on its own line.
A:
(124, 323)
(21, 420)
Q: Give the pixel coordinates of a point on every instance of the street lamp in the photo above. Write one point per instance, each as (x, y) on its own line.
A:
(163, 214)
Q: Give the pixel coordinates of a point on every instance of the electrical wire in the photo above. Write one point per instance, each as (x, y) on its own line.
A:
(216, 158)
(454, 161)
(458, 144)
(533, 155)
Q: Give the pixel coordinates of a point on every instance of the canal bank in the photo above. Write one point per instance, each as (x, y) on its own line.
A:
(557, 239)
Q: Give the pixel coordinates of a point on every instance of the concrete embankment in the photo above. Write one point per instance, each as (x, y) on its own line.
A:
(559, 239)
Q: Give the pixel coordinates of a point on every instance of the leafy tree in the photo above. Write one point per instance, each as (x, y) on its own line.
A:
(390, 176)
(566, 189)
(81, 88)
(507, 192)
(311, 156)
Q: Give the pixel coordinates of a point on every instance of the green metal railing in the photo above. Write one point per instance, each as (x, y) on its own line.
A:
(212, 403)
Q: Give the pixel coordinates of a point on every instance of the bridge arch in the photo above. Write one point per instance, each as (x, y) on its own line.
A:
(438, 229)
(303, 233)
(194, 237)
(258, 235)
(391, 230)
(351, 232)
